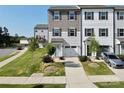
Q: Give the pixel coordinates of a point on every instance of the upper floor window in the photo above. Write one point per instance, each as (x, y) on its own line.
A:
(89, 15)
(72, 32)
(56, 32)
(71, 15)
(103, 32)
(120, 32)
(56, 15)
(103, 15)
(120, 15)
(89, 32)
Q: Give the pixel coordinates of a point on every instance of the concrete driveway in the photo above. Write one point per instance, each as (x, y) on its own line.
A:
(6, 51)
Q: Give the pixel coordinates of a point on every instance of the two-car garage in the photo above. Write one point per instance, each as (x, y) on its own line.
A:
(70, 51)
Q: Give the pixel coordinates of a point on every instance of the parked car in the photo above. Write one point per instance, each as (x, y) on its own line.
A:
(112, 60)
(20, 48)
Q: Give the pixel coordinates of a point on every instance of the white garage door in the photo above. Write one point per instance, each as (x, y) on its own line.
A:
(70, 51)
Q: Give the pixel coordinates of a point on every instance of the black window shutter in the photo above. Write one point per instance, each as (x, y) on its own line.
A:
(92, 16)
(68, 32)
(52, 15)
(92, 31)
(106, 32)
(99, 15)
(85, 32)
(52, 32)
(99, 32)
(68, 15)
(75, 32)
(106, 15)
(75, 15)
(60, 15)
(85, 15)
(60, 32)
(118, 15)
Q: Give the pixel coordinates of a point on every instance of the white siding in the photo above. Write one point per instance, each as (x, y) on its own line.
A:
(96, 24)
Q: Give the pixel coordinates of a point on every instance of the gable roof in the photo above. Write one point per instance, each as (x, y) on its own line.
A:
(41, 26)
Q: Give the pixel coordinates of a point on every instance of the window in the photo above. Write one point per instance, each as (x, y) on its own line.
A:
(120, 32)
(103, 15)
(103, 32)
(71, 15)
(89, 15)
(73, 46)
(67, 46)
(120, 15)
(72, 32)
(56, 32)
(89, 31)
(56, 15)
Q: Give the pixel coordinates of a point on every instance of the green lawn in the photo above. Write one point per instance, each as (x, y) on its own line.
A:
(32, 86)
(54, 69)
(110, 84)
(24, 65)
(96, 68)
(8, 56)
(27, 64)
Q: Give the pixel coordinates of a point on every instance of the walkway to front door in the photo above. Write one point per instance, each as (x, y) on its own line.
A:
(75, 74)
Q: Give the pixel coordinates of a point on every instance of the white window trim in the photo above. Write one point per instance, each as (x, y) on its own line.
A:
(58, 16)
(73, 15)
(53, 34)
(74, 31)
(104, 30)
(118, 32)
(101, 15)
(91, 30)
(119, 14)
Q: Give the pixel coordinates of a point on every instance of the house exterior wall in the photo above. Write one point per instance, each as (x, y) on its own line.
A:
(96, 24)
(42, 33)
(118, 24)
(65, 24)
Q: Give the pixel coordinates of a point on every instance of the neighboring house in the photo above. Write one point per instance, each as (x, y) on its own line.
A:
(70, 28)
(24, 41)
(98, 21)
(64, 27)
(41, 33)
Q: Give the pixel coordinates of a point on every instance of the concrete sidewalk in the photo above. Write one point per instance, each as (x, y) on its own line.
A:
(12, 58)
(75, 75)
(104, 78)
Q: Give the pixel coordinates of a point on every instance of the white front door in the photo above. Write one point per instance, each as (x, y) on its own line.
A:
(58, 52)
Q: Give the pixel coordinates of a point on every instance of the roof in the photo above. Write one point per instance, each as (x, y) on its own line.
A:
(69, 7)
(41, 26)
(101, 6)
(57, 40)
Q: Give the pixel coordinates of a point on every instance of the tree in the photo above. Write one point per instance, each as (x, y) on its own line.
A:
(33, 45)
(50, 49)
(94, 46)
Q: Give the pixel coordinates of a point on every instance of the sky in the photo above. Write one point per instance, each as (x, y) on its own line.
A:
(21, 19)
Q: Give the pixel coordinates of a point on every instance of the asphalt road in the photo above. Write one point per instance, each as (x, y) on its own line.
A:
(7, 51)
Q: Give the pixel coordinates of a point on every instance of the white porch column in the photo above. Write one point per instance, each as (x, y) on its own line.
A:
(120, 48)
(61, 50)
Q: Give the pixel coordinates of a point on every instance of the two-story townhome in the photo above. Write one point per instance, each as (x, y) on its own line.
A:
(41, 33)
(64, 28)
(119, 29)
(98, 21)
(70, 28)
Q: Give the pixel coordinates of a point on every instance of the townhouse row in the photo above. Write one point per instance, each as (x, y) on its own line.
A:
(70, 29)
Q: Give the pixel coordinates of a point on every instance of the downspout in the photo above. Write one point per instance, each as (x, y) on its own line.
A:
(114, 30)
(81, 30)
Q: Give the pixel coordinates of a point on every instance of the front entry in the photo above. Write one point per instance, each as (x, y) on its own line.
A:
(58, 52)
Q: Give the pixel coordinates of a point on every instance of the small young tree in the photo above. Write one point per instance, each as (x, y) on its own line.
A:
(50, 49)
(33, 45)
(94, 46)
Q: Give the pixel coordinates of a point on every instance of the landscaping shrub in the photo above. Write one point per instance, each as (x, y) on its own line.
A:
(50, 49)
(83, 58)
(62, 58)
(47, 59)
(121, 57)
